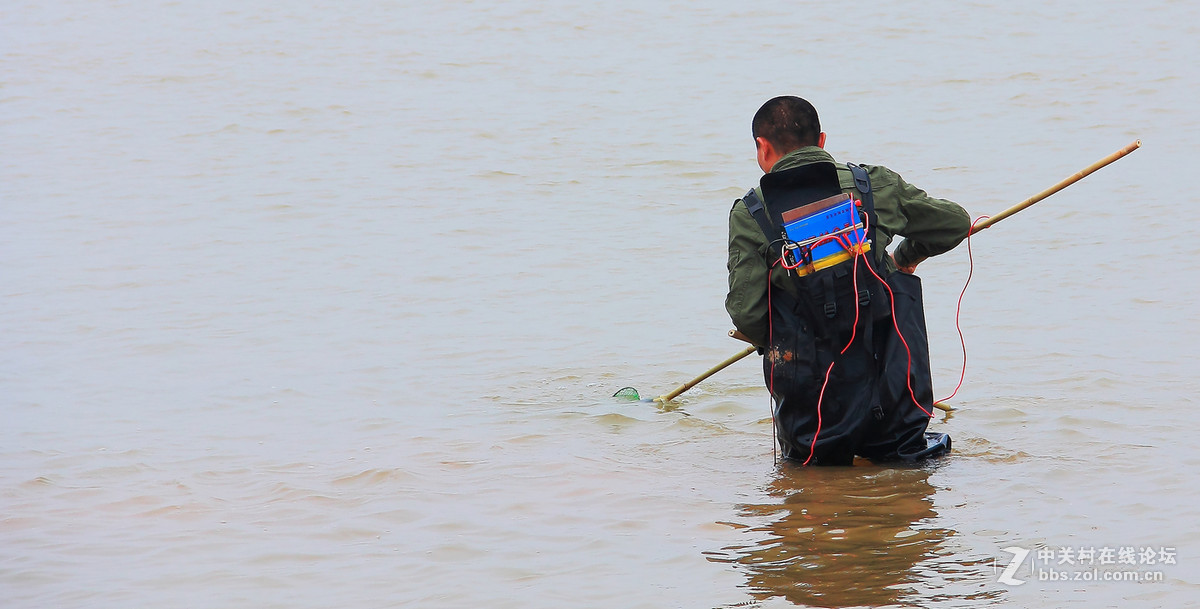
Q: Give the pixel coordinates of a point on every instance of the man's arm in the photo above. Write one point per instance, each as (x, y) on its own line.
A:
(748, 275)
(933, 226)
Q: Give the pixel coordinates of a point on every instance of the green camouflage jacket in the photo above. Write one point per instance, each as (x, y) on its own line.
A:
(929, 226)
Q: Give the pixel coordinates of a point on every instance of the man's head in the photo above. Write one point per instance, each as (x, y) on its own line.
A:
(782, 125)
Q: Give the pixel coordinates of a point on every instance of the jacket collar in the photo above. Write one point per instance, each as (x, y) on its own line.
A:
(802, 156)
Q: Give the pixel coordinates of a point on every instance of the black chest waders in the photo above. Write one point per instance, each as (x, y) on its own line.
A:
(839, 374)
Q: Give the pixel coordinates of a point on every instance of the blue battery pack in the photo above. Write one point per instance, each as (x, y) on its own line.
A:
(809, 224)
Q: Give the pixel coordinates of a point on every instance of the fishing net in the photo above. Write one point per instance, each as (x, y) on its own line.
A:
(628, 393)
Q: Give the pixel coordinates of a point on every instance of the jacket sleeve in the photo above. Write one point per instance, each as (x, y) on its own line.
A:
(932, 226)
(748, 275)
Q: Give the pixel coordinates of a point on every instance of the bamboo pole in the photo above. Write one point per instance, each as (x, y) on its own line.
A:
(1057, 187)
(711, 371)
(1083, 173)
(974, 229)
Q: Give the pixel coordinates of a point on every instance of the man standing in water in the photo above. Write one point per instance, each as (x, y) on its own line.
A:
(847, 357)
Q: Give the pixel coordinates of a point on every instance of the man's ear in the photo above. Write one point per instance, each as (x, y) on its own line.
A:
(821, 140)
(766, 153)
(763, 146)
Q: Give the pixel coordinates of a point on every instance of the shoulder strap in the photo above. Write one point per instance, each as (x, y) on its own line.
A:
(863, 183)
(754, 205)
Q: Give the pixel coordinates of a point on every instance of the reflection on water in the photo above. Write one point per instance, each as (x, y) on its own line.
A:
(841, 536)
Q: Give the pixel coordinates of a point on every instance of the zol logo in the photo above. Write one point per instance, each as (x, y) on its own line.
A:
(1019, 555)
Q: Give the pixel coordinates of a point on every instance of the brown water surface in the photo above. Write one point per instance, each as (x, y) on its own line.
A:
(323, 305)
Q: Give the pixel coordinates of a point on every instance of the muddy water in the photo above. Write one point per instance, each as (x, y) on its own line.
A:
(323, 306)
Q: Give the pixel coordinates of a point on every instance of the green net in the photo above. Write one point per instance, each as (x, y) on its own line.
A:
(628, 393)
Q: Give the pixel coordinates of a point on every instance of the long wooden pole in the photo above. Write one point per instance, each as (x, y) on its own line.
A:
(1057, 187)
(1083, 173)
(974, 229)
(711, 371)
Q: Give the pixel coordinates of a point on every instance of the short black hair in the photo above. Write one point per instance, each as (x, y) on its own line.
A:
(788, 122)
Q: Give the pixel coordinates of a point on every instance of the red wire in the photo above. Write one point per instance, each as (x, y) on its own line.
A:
(857, 252)
(896, 325)
(840, 239)
(843, 241)
(771, 341)
(854, 328)
(813, 447)
(958, 311)
(784, 262)
(853, 332)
